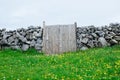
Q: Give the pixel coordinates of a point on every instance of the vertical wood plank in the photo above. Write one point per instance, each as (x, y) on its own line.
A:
(55, 39)
(59, 38)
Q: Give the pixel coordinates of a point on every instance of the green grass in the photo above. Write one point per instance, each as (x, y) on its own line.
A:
(92, 64)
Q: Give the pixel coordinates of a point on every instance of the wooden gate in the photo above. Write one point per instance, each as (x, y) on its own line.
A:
(59, 38)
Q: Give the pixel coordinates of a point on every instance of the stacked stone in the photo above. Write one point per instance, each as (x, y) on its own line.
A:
(87, 37)
(91, 36)
(22, 39)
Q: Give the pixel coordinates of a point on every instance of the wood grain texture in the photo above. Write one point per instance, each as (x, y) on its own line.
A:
(59, 38)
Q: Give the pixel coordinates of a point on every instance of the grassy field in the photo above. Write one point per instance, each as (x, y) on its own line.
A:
(92, 64)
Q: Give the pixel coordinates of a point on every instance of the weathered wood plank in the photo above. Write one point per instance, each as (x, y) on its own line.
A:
(72, 38)
(59, 38)
(55, 39)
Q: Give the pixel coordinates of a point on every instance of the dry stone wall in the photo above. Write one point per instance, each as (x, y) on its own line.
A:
(87, 37)
(91, 36)
(22, 39)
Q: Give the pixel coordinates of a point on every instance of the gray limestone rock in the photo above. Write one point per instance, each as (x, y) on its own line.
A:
(113, 41)
(23, 39)
(38, 46)
(84, 40)
(32, 43)
(84, 48)
(16, 47)
(112, 34)
(25, 47)
(39, 41)
(36, 34)
(94, 35)
(103, 41)
(90, 44)
(5, 36)
(117, 38)
(10, 39)
(108, 37)
(100, 33)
